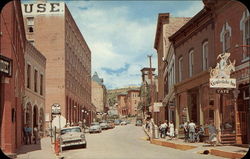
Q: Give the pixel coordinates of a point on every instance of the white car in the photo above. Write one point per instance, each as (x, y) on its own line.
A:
(72, 136)
(95, 127)
(123, 123)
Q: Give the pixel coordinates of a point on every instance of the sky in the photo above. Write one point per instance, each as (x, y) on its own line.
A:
(120, 35)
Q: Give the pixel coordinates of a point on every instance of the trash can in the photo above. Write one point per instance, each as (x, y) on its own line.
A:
(156, 132)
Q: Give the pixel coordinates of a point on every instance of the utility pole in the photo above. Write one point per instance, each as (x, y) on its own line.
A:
(151, 85)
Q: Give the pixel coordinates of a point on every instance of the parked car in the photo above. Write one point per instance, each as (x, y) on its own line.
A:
(123, 123)
(104, 125)
(111, 124)
(117, 122)
(95, 127)
(128, 121)
(138, 123)
(72, 136)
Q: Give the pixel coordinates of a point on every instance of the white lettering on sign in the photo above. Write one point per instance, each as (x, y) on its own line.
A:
(43, 8)
(222, 83)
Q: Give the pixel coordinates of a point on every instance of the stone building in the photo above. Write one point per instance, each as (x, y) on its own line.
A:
(34, 99)
(166, 26)
(99, 93)
(51, 28)
(12, 50)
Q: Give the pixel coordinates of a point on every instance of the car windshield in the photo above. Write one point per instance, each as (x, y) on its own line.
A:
(64, 131)
(92, 124)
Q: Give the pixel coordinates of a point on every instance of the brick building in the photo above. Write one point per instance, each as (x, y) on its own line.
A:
(12, 49)
(122, 106)
(133, 100)
(166, 26)
(221, 26)
(53, 31)
(34, 99)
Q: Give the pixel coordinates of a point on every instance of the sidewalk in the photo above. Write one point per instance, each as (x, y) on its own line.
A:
(219, 150)
(43, 150)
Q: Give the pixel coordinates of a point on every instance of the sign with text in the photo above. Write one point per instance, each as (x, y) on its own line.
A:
(43, 8)
(223, 91)
(5, 66)
(222, 83)
(220, 75)
(56, 109)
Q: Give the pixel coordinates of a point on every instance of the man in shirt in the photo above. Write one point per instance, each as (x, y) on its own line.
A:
(192, 127)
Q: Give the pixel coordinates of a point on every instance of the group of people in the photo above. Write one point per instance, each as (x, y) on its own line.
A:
(27, 131)
(167, 129)
(193, 132)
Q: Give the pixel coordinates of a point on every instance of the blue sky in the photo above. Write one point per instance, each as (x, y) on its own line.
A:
(120, 34)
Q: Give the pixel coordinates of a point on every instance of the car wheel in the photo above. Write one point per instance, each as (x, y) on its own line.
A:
(84, 145)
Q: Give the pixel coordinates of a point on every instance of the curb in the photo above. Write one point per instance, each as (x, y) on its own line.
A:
(226, 154)
(173, 145)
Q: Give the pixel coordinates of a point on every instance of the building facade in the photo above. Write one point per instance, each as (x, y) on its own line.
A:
(99, 93)
(133, 100)
(12, 50)
(34, 99)
(68, 73)
(122, 106)
(166, 26)
(220, 27)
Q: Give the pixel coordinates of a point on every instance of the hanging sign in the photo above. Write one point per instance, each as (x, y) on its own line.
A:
(5, 66)
(56, 109)
(220, 75)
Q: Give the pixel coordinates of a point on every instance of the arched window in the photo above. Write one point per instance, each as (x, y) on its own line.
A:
(245, 28)
(205, 55)
(225, 35)
(180, 64)
(191, 63)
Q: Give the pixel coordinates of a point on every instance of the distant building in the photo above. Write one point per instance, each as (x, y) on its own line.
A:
(122, 104)
(51, 28)
(133, 99)
(99, 93)
(34, 106)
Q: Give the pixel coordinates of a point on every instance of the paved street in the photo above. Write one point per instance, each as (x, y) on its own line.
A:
(127, 142)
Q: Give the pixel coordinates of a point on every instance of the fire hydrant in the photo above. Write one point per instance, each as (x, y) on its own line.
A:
(57, 147)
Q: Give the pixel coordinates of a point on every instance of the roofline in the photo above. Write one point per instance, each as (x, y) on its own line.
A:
(192, 21)
(161, 17)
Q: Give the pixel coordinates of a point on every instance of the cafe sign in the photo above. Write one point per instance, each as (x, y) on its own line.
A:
(220, 75)
(5, 66)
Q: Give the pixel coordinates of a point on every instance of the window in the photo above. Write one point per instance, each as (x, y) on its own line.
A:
(35, 81)
(191, 63)
(30, 21)
(205, 56)
(30, 29)
(32, 42)
(180, 68)
(41, 84)
(28, 75)
(225, 35)
(246, 53)
(226, 42)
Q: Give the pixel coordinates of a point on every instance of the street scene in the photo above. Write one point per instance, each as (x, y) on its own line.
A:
(124, 79)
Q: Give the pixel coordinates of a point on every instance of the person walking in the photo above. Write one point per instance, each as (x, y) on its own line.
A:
(35, 132)
(171, 130)
(163, 128)
(192, 127)
(25, 134)
(186, 131)
(29, 132)
(212, 133)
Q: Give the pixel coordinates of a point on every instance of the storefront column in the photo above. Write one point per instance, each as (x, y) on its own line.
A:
(237, 121)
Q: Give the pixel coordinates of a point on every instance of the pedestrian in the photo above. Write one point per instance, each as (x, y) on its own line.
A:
(25, 134)
(35, 132)
(29, 132)
(171, 130)
(192, 127)
(212, 133)
(200, 133)
(186, 131)
(163, 128)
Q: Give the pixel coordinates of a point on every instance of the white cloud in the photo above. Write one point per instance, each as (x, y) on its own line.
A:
(194, 8)
(114, 40)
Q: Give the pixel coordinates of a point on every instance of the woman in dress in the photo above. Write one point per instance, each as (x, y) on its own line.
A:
(171, 130)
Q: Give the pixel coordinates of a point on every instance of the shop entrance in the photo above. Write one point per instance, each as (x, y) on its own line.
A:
(193, 106)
